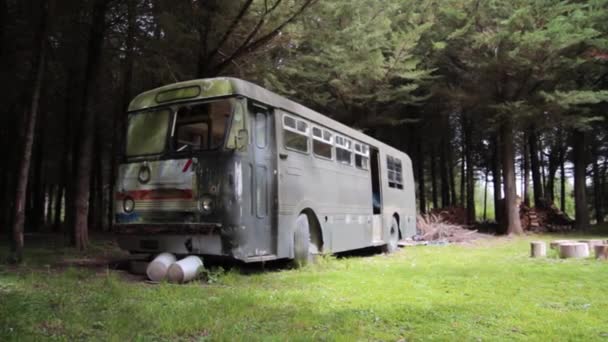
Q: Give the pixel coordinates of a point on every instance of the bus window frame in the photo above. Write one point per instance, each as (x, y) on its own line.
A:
(329, 142)
(363, 152)
(344, 147)
(306, 134)
(165, 150)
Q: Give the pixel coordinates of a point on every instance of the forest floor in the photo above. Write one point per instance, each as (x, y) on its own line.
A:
(487, 290)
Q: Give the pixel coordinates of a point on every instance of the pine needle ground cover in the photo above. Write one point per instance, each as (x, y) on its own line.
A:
(490, 290)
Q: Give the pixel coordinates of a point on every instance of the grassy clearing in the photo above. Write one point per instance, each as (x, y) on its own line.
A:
(489, 291)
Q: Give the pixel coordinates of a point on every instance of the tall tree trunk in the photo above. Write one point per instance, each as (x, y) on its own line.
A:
(469, 171)
(496, 180)
(420, 169)
(485, 195)
(562, 181)
(511, 219)
(535, 167)
(57, 208)
(28, 141)
(434, 177)
(581, 210)
(452, 178)
(85, 160)
(463, 178)
(526, 172)
(443, 172)
(597, 187)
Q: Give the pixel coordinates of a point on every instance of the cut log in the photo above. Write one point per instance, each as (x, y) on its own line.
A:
(157, 269)
(601, 251)
(573, 250)
(185, 270)
(592, 243)
(555, 243)
(538, 249)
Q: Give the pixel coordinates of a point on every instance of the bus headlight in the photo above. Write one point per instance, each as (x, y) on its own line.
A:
(205, 205)
(128, 204)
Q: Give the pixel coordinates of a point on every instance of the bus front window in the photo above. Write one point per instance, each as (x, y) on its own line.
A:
(147, 132)
(201, 126)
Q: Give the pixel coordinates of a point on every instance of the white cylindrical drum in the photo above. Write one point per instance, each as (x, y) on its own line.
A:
(538, 249)
(185, 270)
(157, 269)
(574, 250)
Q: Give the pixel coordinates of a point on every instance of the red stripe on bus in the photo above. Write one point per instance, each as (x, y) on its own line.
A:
(158, 194)
(187, 166)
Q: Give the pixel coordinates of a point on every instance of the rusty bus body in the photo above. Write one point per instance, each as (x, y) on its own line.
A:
(223, 167)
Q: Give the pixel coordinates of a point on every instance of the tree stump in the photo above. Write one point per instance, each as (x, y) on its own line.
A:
(592, 243)
(538, 249)
(573, 250)
(601, 251)
(555, 243)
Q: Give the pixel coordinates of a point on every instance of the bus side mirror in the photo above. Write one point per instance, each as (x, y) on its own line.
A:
(242, 138)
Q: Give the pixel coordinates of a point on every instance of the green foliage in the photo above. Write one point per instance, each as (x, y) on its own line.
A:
(356, 61)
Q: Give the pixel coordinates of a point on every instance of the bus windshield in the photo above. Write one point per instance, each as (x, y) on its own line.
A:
(193, 127)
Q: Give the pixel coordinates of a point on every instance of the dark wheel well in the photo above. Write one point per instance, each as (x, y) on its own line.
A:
(396, 216)
(316, 235)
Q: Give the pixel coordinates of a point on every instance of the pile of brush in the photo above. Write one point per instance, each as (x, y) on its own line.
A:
(432, 227)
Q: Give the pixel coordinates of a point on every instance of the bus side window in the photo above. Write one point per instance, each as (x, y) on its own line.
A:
(295, 134)
(343, 150)
(260, 129)
(321, 142)
(362, 156)
(395, 177)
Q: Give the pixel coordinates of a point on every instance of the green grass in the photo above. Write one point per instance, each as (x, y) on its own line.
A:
(488, 291)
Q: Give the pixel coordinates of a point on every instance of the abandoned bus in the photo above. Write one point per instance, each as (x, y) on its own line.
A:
(223, 167)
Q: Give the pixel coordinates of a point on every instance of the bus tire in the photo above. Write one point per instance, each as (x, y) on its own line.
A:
(302, 246)
(393, 238)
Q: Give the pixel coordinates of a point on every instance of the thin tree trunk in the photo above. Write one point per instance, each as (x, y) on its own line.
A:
(597, 188)
(28, 142)
(580, 176)
(535, 167)
(57, 208)
(463, 178)
(469, 171)
(85, 161)
(485, 195)
(496, 180)
(511, 219)
(434, 194)
(526, 173)
(562, 181)
(421, 187)
(452, 178)
(443, 172)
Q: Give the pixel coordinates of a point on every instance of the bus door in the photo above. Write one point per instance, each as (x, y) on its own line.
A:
(264, 174)
(376, 195)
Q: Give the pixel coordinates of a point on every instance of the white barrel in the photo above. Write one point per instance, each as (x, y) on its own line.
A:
(157, 269)
(185, 270)
(538, 249)
(573, 250)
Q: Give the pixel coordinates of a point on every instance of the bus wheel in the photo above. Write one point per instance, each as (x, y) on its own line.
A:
(304, 249)
(393, 238)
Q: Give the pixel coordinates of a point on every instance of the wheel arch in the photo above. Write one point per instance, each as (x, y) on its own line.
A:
(396, 217)
(316, 231)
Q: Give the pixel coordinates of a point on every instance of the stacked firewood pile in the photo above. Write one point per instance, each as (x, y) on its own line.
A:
(433, 227)
(545, 218)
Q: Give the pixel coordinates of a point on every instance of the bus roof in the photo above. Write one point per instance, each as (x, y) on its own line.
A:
(200, 89)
